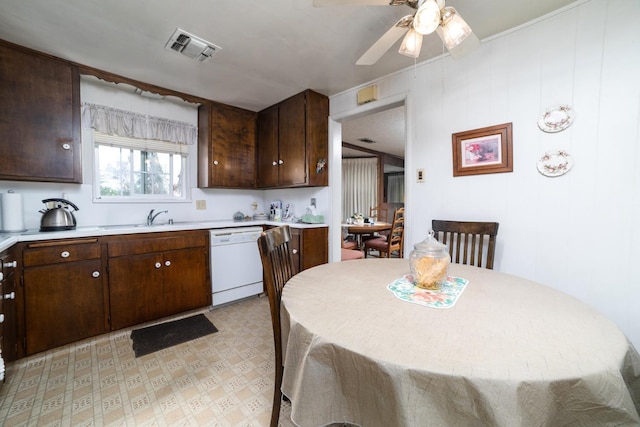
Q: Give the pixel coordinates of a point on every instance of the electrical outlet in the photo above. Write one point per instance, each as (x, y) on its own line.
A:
(201, 205)
(313, 202)
(420, 175)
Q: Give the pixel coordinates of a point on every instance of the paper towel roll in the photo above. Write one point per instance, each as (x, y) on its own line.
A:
(12, 218)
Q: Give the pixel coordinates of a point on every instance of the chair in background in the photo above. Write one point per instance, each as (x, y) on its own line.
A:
(348, 253)
(468, 242)
(379, 213)
(393, 243)
(349, 244)
(277, 263)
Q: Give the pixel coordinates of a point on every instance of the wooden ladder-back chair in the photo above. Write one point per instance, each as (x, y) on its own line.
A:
(277, 263)
(391, 243)
(379, 213)
(466, 241)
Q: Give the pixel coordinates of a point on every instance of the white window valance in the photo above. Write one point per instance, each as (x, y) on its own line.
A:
(128, 124)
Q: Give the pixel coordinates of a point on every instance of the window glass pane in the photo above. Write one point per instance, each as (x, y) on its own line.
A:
(113, 171)
(177, 175)
(135, 172)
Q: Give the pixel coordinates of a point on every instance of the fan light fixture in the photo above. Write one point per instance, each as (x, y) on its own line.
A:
(411, 44)
(454, 28)
(431, 16)
(427, 17)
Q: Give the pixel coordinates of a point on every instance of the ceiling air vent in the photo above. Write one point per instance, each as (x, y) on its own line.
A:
(191, 46)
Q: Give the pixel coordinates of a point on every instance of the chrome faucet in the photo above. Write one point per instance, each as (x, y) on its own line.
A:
(151, 217)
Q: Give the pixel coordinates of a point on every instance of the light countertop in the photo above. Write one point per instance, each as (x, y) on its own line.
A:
(9, 239)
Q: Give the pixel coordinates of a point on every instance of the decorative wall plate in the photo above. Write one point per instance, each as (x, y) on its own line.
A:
(555, 163)
(556, 118)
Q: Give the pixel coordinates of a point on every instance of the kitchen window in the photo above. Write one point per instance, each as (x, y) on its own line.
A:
(128, 169)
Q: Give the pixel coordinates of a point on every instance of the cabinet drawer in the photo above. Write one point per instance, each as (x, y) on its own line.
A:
(157, 242)
(59, 251)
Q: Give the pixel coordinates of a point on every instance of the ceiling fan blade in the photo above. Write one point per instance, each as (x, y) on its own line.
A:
(322, 3)
(385, 42)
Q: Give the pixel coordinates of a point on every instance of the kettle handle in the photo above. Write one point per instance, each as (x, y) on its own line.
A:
(62, 201)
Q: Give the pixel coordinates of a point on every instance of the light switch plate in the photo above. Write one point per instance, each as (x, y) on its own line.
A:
(201, 205)
(420, 175)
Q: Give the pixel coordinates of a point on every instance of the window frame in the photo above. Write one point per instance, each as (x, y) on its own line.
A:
(143, 146)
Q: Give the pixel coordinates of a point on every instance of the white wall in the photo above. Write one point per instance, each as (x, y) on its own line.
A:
(579, 233)
(221, 203)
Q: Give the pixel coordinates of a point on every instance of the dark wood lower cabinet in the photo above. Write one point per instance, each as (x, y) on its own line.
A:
(8, 307)
(72, 289)
(63, 303)
(149, 286)
(310, 247)
(135, 290)
(156, 276)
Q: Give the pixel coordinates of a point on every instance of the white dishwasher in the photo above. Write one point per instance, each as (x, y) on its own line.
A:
(236, 268)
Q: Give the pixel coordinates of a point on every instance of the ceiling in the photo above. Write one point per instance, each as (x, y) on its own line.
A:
(270, 50)
(385, 128)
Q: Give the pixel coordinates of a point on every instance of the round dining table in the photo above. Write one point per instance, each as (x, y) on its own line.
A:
(508, 352)
(367, 229)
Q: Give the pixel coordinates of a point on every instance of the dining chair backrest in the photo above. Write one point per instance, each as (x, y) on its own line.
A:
(468, 242)
(396, 235)
(277, 264)
(380, 213)
(393, 242)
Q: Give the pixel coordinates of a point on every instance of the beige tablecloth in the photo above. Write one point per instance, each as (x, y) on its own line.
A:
(511, 352)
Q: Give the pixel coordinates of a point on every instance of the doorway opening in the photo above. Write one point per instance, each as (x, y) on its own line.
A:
(378, 134)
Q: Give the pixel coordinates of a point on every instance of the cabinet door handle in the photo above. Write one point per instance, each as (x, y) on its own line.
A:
(274, 163)
(66, 146)
(1, 276)
(12, 264)
(11, 295)
(280, 161)
(1, 318)
(167, 263)
(215, 162)
(158, 265)
(295, 251)
(65, 254)
(95, 274)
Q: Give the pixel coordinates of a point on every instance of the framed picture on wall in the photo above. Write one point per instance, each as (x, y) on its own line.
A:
(485, 150)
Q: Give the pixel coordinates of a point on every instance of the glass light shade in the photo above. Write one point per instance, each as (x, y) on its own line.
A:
(411, 44)
(454, 28)
(427, 17)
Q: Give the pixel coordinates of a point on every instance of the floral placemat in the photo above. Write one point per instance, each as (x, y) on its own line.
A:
(445, 297)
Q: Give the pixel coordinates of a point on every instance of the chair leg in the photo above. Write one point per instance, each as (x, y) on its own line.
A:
(277, 397)
(275, 410)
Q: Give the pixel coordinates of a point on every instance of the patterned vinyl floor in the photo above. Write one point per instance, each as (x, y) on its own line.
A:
(224, 379)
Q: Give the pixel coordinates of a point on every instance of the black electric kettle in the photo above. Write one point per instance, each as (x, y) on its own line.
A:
(57, 216)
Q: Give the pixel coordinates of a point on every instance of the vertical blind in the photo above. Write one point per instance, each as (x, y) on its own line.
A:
(359, 186)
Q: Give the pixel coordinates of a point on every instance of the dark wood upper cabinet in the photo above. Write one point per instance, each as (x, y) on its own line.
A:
(39, 117)
(268, 147)
(293, 142)
(226, 146)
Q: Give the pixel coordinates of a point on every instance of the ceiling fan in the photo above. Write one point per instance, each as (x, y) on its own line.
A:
(429, 16)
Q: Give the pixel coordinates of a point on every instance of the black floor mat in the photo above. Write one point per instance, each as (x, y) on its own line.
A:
(158, 337)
